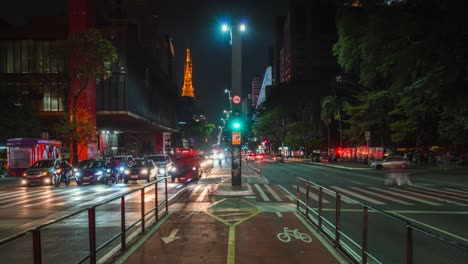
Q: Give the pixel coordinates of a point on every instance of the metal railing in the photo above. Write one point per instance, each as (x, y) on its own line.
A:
(37, 242)
(336, 235)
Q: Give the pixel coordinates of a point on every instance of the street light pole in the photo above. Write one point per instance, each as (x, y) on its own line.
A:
(236, 89)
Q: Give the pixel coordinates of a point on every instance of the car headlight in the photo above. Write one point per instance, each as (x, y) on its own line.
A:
(98, 173)
(194, 168)
(144, 171)
(77, 174)
(173, 169)
(162, 171)
(75, 169)
(44, 173)
(127, 172)
(24, 174)
(24, 182)
(108, 170)
(47, 180)
(121, 169)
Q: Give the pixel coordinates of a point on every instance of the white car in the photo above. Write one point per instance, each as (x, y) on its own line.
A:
(392, 162)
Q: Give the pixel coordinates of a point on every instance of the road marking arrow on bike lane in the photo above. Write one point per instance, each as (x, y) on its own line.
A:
(171, 237)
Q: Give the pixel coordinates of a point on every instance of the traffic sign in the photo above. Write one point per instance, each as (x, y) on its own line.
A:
(236, 99)
(367, 135)
(236, 138)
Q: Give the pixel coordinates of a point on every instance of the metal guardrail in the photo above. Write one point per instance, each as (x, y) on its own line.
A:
(363, 247)
(93, 250)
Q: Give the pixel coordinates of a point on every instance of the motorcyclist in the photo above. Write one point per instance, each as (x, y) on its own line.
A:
(113, 165)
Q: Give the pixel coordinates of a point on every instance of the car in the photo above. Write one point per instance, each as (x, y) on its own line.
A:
(41, 172)
(124, 160)
(206, 164)
(90, 171)
(251, 157)
(163, 162)
(140, 169)
(278, 158)
(259, 156)
(187, 168)
(392, 162)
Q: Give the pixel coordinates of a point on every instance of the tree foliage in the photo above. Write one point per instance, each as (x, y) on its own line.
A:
(198, 133)
(411, 60)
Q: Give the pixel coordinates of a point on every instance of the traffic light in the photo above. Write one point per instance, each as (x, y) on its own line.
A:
(236, 125)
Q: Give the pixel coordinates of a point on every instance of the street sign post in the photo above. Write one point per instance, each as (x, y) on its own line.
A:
(236, 138)
(236, 99)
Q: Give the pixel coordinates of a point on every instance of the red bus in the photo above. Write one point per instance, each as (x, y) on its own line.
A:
(23, 152)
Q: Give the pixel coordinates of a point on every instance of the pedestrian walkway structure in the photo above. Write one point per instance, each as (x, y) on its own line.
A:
(213, 222)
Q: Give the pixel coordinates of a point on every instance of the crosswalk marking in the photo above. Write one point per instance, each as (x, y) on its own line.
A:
(405, 196)
(429, 196)
(21, 198)
(370, 200)
(431, 189)
(51, 200)
(454, 190)
(31, 198)
(287, 194)
(312, 195)
(382, 196)
(262, 193)
(16, 193)
(202, 195)
(333, 194)
(194, 191)
(447, 196)
(273, 193)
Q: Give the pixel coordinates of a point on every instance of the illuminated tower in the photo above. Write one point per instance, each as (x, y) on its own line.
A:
(187, 88)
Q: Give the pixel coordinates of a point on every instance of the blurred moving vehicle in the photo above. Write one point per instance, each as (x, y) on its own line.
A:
(251, 157)
(278, 158)
(206, 164)
(140, 169)
(163, 162)
(42, 172)
(259, 156)
(90, 171)
(392, 162)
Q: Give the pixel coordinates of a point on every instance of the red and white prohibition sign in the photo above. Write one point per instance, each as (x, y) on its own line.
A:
(236, 99)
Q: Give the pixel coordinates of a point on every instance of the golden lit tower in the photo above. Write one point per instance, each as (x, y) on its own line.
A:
(187, 88)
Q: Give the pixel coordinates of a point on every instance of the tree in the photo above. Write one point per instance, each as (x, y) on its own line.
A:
(272, 125)
(17, 118)
(332, 110)
(86, 56)
(198, 132)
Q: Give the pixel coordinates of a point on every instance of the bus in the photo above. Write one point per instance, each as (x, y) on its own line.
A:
(23, 152)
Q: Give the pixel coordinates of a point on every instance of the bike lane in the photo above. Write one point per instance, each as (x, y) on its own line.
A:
(232, 231)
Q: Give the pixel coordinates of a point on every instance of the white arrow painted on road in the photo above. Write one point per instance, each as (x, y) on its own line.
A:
(171, 237)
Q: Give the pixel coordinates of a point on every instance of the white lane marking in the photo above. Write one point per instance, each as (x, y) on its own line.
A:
(433, 227)
(370, 200)
(31, 199)
(22, 197)
(262, 193)
(67, 198)
(454, 190)
(15, 193)
(279, 214)
(405, 196)
(333, 194)
(290, 196)
(106, 197)
(194, 191)
(382, 196)
(202, 195)
(273, 193)
(433, 194)
(249, 187)
(451, 193)
(312, 195)
(428, 196)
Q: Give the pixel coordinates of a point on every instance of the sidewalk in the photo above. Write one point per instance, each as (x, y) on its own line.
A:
(232, 228)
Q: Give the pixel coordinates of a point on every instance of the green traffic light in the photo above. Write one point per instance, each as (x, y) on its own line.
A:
(236, 125)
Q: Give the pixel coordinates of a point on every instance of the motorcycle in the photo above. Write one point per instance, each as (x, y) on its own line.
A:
(60, 175)
(113, 175)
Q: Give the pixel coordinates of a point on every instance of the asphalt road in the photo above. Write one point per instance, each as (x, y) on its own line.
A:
(436, 201)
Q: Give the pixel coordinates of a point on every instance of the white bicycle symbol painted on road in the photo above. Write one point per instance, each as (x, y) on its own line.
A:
(287, 234)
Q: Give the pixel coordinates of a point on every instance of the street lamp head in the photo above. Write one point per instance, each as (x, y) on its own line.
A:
(224, 27)
(242, 27)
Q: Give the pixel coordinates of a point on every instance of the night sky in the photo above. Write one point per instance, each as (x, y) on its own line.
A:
(196, 25)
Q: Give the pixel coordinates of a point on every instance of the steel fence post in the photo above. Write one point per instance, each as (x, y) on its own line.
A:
(165, 190)
(92, 235)
(364, 235)
(307, 199)
(338, 220)
(142, 210)
(320, 207)
(123, 238)
(409, 244)
(297, 194)
(37, 251)
(156, 207)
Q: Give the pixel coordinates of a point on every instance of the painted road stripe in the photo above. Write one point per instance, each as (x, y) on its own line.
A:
(279, 214)
(312, 195)
(290, 196)
(67, 198)
(364, 198)
(194, 191)
(23, 192)
(273, 193)
(446, 196)
(429, 196)
(105, 197)
(405, 196)
(23, 197)
(458, 194)
(31, 199)
(202, 195)
(333, 194)
(249, 187)
(262, 193)
(382, 196)
(454, 190)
